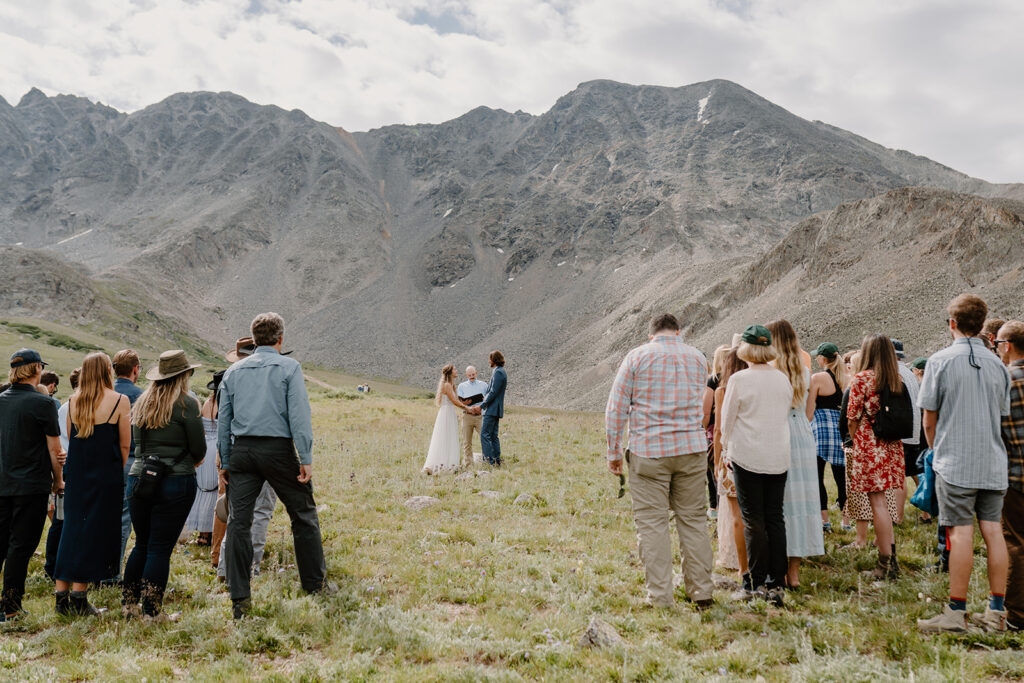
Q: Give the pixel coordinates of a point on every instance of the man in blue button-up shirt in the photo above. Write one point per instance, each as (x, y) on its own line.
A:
(263, 419)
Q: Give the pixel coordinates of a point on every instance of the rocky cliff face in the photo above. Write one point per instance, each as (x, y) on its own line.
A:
(552, 237)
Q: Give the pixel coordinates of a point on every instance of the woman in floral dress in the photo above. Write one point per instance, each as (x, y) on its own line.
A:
(875, 466)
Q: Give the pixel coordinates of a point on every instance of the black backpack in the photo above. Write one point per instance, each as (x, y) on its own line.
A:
(895, 418)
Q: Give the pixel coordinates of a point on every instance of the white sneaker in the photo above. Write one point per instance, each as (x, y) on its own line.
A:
(947, 621)
(991, 620)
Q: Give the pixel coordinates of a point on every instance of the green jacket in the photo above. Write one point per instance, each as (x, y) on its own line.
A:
(183, 434)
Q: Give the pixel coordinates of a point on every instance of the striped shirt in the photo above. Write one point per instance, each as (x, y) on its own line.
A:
(1013, 426)
(659, 393)
(970, 402)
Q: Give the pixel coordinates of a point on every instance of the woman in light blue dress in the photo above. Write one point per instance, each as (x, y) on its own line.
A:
(200, 518)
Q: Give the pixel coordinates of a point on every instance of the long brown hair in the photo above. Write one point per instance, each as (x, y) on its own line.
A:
(878, 354)
(447, 375)
(789, 361)
(97, 376)
(731, 364)
(153, 408)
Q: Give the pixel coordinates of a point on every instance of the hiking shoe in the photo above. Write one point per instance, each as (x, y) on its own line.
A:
(992, 620)
(240, 608)
(948, 621)
(776, 596)
(742, 595)
(704, 605)
(12, 616)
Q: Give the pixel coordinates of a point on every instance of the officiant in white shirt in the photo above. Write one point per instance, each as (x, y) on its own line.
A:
(471, 392)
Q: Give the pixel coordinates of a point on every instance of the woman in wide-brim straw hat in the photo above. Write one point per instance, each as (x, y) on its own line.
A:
(166, 424)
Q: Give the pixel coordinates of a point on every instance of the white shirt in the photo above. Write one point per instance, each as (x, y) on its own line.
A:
(755, 419)
(910, 382)
(62, 417)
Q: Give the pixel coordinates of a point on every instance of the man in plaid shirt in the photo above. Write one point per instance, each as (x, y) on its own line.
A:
(1009, 343)
(658, 393)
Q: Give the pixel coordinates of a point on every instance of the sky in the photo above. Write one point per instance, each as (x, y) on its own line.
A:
(940, 78)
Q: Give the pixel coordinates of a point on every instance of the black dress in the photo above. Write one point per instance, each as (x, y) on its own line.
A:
(90, 544)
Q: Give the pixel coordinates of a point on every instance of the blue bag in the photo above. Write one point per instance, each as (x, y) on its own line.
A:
(924, 496)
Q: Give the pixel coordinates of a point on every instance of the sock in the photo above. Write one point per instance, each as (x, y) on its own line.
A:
(995, 602)
(959, 604)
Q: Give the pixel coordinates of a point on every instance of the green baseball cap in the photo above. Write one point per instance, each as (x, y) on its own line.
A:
(758, 335)
(919, 363)
(827, 349)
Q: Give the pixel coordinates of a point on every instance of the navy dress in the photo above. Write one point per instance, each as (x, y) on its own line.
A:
(90, 544)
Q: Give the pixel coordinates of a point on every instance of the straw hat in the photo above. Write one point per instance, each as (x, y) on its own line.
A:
(221, 509)
(172, 364)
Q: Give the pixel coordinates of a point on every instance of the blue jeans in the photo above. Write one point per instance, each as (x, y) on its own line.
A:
(489, 440)
(126, 517)
(158, 523)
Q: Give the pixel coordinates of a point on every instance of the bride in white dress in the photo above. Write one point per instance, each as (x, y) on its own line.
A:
(443, 454)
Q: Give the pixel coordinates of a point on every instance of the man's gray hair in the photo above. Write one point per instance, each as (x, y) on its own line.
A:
(267, 329)
(470, 368)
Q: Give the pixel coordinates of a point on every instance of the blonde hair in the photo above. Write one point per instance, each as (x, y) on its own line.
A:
(790, 362)
(838, 367)
(153, 408)
(97, 376)
(854, 358)
(24, 373)
(756, 354)
(718, 359)
(447, 375)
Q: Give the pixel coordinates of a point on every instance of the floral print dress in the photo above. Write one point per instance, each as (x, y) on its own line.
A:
(872, 465)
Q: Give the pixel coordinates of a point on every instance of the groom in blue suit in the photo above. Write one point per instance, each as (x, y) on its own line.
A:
(493, 409)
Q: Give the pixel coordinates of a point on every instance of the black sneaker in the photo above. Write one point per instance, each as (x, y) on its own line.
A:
(703, 605)
(776, 596)
(12, 616)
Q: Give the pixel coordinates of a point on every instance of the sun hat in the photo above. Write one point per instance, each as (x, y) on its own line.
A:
(221, 509)
(758, 335)
(26, 357)
(171, 364)
(827, 349)
(245, 346)
(919, 363)
(215, 382)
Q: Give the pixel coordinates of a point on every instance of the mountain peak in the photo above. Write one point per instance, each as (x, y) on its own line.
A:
(33, 96)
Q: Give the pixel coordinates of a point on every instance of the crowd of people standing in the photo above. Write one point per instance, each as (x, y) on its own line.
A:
(770, 430)
(116, 458)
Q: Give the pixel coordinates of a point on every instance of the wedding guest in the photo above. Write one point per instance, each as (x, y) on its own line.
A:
(471, 392)
(824, 399)
(965, 395)
(126, 368)
(200, 517)
(264, 418)
(990, 330)
(755, 430)
(917, 367)
(30, 469)
(493, 409)
(166, 425)
(801, 504)
(911, 445)
(50, 381)
(1010, 344)
(657, 394)
(708, 421)
(730, 365)
(99, 443)
(57, 516)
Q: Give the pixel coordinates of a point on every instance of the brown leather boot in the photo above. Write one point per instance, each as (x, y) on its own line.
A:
(881, 570)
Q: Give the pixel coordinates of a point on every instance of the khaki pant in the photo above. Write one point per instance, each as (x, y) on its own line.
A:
(469, 423)
(661, 488)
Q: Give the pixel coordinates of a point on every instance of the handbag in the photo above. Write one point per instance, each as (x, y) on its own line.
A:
(924, 497)
(153, 471)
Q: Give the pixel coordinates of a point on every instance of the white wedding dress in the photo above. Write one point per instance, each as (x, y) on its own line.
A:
(443, 454)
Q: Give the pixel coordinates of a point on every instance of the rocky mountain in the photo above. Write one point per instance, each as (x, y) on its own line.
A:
(398, 249)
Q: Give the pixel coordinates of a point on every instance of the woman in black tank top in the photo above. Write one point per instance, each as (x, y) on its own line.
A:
(823, 402)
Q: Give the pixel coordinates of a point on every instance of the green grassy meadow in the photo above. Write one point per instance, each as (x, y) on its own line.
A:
(477, 587)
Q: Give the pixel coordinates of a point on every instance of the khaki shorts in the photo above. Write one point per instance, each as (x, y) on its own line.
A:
(959, 506)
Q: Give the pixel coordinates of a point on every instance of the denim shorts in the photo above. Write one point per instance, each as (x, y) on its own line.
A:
(959, 506)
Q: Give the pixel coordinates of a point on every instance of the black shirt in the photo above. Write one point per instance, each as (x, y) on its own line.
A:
(26, 419)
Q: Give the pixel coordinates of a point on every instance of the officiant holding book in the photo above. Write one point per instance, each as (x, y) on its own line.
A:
(471, 392)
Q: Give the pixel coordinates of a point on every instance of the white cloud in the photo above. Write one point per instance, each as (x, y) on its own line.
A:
(937, 77)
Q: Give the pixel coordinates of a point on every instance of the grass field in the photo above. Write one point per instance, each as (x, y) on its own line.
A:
(477, 587)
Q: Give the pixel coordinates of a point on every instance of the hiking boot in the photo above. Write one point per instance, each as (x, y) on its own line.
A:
(704, 605)
(993, 620)
(79, 604)
(776, 596)
(62, 602)
(240, 608)
(948, 621)
(882, 568)
(14, 615)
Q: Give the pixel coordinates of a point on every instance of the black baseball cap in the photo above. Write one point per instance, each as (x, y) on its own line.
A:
(26, 357)
(898, 346)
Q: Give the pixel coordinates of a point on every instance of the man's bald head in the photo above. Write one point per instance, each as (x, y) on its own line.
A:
(470, 373)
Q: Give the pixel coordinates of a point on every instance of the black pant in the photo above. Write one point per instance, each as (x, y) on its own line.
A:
(839, 475)
(158, 522)
(21, 526)
(712, 484)
(52, 543)
(760, 499)
(255, 460)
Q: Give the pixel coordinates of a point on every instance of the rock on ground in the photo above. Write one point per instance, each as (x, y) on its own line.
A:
(599, 634)
(420, 502)
(524, 499)
(489, 494)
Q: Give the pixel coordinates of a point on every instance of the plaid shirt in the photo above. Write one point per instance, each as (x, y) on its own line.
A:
(1013, 426)
(659, 392)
